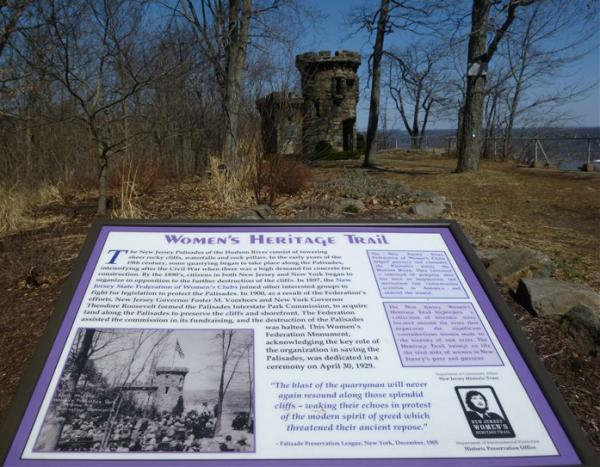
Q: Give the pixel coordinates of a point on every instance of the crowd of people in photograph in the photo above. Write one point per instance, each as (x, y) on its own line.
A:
(192, 431)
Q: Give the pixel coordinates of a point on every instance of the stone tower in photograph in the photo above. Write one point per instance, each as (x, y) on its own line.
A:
(330, 94)
(169, 386)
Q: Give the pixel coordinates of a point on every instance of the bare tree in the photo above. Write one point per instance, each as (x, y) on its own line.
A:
(232, 352)
(533, 55)
(183, 113)
(92, 345)
(496, 89)
(132, 370)
(11, 19)
(416, 83)
(222, 30)
(479, 56)
(375, 62)
(392, 15)
(88, 54)
(225, 30)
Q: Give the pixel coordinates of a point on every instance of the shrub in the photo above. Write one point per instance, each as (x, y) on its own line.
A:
(325, 152)
(289, 176)
(361, 143)
(278, 175)
(323, 149)
(351, 208)
(352, 183)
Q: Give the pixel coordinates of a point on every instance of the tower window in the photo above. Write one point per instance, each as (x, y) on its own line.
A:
(167, 390)
(338, 85)
(350, 83)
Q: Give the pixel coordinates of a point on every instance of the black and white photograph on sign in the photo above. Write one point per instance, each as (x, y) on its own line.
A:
(484, 412)
(150, 390)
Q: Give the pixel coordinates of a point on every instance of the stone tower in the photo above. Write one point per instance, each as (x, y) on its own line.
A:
(169, 386)
(330, 92)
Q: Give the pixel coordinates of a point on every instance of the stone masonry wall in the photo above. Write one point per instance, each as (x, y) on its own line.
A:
(169, 382)
(330, 90)
(281, 123)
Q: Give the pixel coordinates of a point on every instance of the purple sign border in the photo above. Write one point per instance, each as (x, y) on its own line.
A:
(567, 454)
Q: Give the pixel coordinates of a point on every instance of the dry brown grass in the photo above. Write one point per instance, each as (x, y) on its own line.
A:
(128, 206)
(18, 200)
(503, 205)
(231, 183)
(149, 173)
(13, 208)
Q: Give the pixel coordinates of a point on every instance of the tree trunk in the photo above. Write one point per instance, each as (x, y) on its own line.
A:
(427, 109)
(239, 22)
(470, 132)
(416, 134)
(461, 111)
(490, 127)
(221, 394)
(82, 356)
(415, 139)
(110, 423)
(371, 144)
(102, 182)
(250, 390)
(512, 115)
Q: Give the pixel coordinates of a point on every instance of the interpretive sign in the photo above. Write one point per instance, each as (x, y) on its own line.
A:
(285, 344)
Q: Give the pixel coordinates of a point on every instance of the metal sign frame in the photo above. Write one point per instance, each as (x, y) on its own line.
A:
(545, 382)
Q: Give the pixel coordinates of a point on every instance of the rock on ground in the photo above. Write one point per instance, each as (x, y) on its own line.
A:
(583, 324)
(259, 212)
(553, 298)
(426, 209)
(487, 255)
(509, 267)
(431, 205)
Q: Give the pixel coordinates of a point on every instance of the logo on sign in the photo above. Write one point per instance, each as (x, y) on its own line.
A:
(484, 413)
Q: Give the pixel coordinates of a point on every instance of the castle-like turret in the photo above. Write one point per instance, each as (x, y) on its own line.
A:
(169, 386)
(330, 91)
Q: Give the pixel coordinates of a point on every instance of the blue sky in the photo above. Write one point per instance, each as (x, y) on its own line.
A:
(334, 33)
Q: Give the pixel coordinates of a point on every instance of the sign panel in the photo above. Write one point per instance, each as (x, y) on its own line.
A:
(286, 344)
